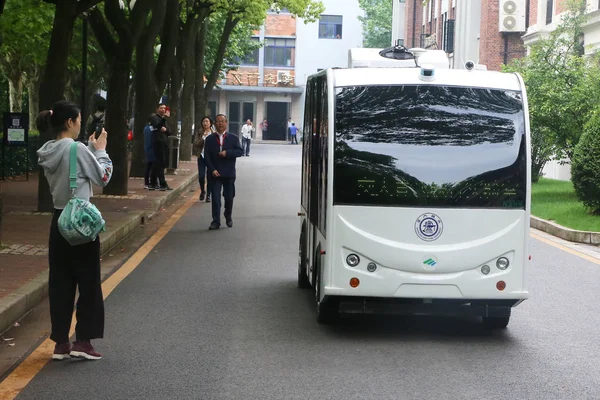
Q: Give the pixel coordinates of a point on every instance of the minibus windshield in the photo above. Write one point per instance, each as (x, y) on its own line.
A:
(429, 146)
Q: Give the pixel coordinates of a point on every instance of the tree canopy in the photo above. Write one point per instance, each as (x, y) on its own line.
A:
(377, 23)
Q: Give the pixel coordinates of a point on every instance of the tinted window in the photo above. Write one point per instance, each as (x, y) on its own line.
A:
(429, 146)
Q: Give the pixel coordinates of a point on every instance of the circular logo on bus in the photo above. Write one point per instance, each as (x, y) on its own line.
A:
(429, 227)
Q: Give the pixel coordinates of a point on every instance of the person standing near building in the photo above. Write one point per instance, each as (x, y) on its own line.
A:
(73, 268)
(247, 132)
(95, 121)
(221, 149)
(160, 144)
(264, 126)
(293, 133)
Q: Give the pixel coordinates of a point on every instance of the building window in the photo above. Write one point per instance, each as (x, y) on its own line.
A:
(330, 27)
(549, 8)
(280, 52)
(252, 57)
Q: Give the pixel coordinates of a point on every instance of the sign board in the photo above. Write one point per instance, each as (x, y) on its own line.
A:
(16, 129)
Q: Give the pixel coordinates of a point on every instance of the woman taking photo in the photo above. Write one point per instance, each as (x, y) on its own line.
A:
(201, 134)
(73, 267)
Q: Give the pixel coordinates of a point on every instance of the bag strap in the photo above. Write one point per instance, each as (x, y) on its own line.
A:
(73, 168)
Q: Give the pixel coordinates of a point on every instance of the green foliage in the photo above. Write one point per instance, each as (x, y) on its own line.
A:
(25, 31)
(585, 165)
(556, 201)
(560, 82)
(377, 23)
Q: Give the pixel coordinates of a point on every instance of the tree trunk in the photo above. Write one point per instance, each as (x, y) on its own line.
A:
(15, 88)
(200, 43)
(187, 96)
(33, 87)
(146, 100)
(116, 126)
(152, 79)
(175, 94)
(52, 86)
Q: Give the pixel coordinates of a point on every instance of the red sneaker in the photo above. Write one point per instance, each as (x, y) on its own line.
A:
(84, 349)
(61, 351)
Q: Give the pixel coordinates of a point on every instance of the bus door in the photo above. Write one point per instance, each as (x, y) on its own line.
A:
(313, 119)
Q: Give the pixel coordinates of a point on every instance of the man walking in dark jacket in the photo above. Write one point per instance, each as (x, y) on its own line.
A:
(221, 149)
(160, 144)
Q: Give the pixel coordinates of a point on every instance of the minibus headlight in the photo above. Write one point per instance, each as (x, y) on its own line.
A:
(502, 263)
(371, 267)
(485, 269)
(352, 260)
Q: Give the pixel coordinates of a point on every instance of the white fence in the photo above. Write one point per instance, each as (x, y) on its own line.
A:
(554, 170)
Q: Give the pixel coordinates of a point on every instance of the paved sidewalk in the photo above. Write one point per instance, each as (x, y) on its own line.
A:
(24, 233)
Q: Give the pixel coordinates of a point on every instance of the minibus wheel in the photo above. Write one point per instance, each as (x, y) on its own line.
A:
(495, 322)
(327, 308)
(303, 282)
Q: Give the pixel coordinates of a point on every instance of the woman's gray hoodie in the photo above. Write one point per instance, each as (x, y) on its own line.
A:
(93, 166)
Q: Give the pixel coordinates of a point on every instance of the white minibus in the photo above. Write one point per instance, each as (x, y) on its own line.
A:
(415, 189)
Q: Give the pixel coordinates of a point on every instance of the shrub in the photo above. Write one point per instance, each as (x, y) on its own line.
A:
(14, 160)
(585, 165)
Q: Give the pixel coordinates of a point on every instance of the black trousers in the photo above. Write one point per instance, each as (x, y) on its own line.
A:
(149, 178)
(71, 268)
(160, 164)
(203, 177)
(227, 186)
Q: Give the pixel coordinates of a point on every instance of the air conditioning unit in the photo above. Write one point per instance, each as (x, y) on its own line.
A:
(512, 16)
(284, 77)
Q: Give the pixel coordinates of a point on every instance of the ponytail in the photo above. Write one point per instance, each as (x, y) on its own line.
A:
(54, 120)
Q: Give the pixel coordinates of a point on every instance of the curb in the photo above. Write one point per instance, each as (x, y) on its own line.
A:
(571, 235)
(20, 302)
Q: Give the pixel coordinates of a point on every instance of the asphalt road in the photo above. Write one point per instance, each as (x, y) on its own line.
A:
(217, 315)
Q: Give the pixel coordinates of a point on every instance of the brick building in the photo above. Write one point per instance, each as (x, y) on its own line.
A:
(264, 85)
(270, 82)
(478, 30)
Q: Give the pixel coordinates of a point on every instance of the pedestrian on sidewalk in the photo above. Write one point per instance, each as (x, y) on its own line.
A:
(95, 121)
(264, 126)
(247, 132)
(150, 181)
(293, 133)
(160, 144)
(202, 133)
(73, 267)
(221, 149)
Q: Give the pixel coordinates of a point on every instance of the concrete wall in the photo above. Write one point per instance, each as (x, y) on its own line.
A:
(466, 39)
(398, 21)
(313, 53)
(554, 170)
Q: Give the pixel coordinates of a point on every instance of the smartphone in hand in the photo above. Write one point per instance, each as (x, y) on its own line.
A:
(98, 130)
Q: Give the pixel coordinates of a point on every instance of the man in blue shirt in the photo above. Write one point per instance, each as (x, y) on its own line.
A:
(293, 133)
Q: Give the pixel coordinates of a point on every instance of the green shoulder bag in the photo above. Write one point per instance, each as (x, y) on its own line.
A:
(80, 221)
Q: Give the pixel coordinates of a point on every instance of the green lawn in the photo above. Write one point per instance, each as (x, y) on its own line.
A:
(556, 201)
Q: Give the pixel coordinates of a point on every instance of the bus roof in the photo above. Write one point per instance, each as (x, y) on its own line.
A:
(372, 58)
(412, 76)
